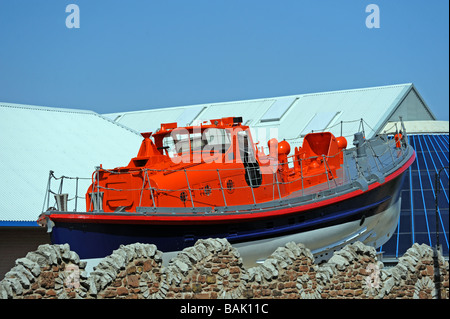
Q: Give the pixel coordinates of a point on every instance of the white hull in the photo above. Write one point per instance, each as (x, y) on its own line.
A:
(323, 242)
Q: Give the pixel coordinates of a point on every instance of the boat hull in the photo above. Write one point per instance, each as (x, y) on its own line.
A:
(369, 216)
(374, 231)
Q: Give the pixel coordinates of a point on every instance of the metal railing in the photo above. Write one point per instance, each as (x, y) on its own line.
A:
(61, 197)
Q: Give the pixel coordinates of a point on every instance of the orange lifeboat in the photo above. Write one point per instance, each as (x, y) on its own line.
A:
(211, 180)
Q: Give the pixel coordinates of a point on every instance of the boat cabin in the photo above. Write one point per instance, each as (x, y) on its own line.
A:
(215, 163)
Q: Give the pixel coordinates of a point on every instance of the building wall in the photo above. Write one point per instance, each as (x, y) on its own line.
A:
(16, 242)
(412, 108)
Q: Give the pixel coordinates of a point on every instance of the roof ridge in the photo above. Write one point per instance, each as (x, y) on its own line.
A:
(262, 99)
(370, 88)
(45, 108)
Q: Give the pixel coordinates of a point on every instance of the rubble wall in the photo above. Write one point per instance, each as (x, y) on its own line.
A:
(213, 269)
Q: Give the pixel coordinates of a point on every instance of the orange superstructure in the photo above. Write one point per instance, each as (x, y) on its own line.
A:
(214, 164)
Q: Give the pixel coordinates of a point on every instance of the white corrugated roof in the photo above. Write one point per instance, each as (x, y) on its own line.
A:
(293, 116)
(35, 140)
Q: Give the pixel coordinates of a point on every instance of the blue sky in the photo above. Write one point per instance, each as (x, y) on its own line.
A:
(134, 55)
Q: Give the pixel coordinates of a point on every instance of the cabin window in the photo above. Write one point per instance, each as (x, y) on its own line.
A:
(218, 140)
(252, 171)
(183, 142)
(229, 185)
(169, 146)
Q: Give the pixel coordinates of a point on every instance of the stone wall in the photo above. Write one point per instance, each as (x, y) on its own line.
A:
(213, 269)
